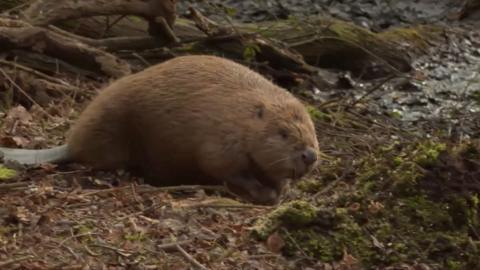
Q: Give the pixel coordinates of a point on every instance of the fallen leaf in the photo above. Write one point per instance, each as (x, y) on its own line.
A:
(375, 207)
(20, 114)
(275, 242)
(48, 167)
(21, 215)
(20, 141)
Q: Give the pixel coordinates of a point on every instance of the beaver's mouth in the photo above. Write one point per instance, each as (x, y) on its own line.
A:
(264, 178)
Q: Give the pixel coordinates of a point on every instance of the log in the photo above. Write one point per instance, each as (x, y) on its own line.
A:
(332, 43)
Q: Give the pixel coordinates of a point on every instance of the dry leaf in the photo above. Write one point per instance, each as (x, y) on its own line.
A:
(20, 114)
(375, 207)
(275, 242)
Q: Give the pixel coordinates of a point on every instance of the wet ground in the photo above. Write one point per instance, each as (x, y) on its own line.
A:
(449, 85)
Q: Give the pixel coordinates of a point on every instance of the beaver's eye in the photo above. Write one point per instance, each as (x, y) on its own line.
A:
(283, 133)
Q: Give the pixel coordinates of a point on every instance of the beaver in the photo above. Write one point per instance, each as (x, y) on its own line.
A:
(196, 119)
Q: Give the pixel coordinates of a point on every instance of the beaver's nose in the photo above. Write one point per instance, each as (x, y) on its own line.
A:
(309, 156)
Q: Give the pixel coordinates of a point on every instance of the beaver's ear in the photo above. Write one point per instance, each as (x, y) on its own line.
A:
(259, 110)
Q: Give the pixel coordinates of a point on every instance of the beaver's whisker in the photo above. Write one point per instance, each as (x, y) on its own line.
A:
(277, 161)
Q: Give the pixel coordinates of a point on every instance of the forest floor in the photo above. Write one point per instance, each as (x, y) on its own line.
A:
(400, 189)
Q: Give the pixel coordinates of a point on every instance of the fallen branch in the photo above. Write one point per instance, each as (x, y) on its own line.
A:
(44, 12)
(252, 47)
(9, 186)
(190, 258)
(53, 44)
(35, 72)
(160, 14)
(15, 260)
(116, 43)
(173, 246)
(23, 92)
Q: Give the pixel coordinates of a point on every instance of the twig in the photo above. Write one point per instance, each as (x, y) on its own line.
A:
(142, 59)
(23, 92)
(90, 252)
(14, 185)
(169, 246)
(190, 258)
(110, 25)
(141, 189)
(182, 188)
(14, 260)
(75, 236)
(371, 91)
(119, 251)
(300, 249)
(326, 189)
(239, 206)
(138, 213)
(135, 195)
(264, 256)
(35, 72)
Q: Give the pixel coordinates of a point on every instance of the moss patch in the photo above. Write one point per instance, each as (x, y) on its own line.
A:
(393, 212)
(6, 173)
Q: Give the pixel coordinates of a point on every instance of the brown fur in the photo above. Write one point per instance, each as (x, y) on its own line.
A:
(198, 120)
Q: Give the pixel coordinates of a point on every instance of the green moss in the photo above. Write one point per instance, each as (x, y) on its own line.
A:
(6, 173)
(427, 153)
(418, 36)
(329, 243)
(318, 115)
(413, 222)
(310, 185)
(423, 212)
(475, 96)
(295, 213)
(86, 231)
(250, 51)
(398, 168)
(135, 237)
(396, 114)
(314, 244)
(454, 265)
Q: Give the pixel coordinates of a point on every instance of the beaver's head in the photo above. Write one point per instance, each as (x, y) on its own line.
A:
(284, 143)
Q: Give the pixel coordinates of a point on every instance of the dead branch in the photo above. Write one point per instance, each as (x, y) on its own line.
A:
(23, 92)
(241, 44)
(15, 260)
(116, 43)
(35, 72)
(190, 258)
(160, 14)
(9, 186)
(44, 12)
(41, 40)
